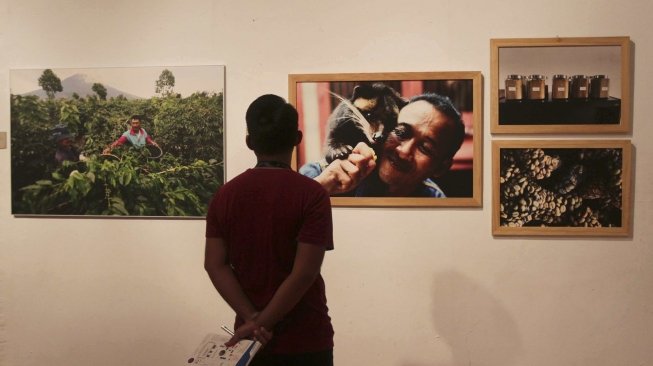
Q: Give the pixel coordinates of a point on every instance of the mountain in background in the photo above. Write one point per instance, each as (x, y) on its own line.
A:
(80, 84)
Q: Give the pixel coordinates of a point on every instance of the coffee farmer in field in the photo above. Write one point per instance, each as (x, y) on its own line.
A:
(66, 150)
(136, 136)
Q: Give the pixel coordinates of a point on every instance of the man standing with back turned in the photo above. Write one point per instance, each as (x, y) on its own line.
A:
(266, 234)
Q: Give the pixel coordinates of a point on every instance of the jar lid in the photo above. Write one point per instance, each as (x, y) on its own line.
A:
(514, 77)
(579, 77)
(536, 77)
(559, 76)
(598, 77)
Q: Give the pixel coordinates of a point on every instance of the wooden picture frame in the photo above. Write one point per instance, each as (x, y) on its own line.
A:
(317, 95)
(573, 97)
(547, 187)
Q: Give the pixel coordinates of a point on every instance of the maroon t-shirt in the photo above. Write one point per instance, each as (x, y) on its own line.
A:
(262, 214)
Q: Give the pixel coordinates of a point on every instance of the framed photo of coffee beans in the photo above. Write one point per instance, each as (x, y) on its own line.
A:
(560, 85)
(564, 188)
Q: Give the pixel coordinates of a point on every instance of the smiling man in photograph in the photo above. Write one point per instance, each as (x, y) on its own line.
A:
(429, 132)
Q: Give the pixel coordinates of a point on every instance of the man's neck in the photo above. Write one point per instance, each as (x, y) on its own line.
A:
(283, 158)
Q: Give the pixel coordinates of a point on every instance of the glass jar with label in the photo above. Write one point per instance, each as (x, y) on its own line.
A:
(580, 87)
(599, 87)
(536, 87)
(514, 87)
(560, 87)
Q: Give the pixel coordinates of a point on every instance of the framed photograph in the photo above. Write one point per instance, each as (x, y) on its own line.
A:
(116, 142)
(560, 85)
(433, 161)
(567, 188)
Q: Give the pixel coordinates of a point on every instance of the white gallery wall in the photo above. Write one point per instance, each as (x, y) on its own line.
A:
(406, 287)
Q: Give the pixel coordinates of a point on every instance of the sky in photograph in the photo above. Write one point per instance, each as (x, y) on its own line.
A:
(138, 81)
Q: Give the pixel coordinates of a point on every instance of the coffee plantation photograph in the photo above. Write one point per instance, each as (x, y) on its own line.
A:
(116, 141)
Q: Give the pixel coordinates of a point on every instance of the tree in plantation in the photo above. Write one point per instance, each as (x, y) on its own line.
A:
(191, 128)
(166, 83)
(100, 90)
(50, 83)
(32, 150)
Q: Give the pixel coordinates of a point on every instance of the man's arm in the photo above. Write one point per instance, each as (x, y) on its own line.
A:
(344, 175)
(121, 140)
(224, 280)
(306, 268)
(150, 140)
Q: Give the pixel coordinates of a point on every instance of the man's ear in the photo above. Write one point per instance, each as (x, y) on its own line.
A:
(248, 142)
(300, 135)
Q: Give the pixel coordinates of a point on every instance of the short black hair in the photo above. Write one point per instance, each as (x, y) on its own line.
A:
(271, 125)
(137, 117)
(444, 105)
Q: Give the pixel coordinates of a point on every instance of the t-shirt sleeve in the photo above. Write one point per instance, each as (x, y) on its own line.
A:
(121, 140)
(317, 227)
(213, 227)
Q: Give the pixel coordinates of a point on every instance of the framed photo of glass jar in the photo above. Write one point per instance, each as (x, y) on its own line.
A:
(424, 129)
(560, 85)
(565, 188)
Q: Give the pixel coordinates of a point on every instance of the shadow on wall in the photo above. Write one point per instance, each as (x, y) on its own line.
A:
(474, 324)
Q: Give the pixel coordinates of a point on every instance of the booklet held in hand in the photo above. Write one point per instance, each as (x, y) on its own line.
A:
(213, 352)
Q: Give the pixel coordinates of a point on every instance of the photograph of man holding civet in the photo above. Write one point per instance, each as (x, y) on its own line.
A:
(398, 137)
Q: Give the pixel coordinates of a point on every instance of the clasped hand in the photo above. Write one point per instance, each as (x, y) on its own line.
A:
(250, 330)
